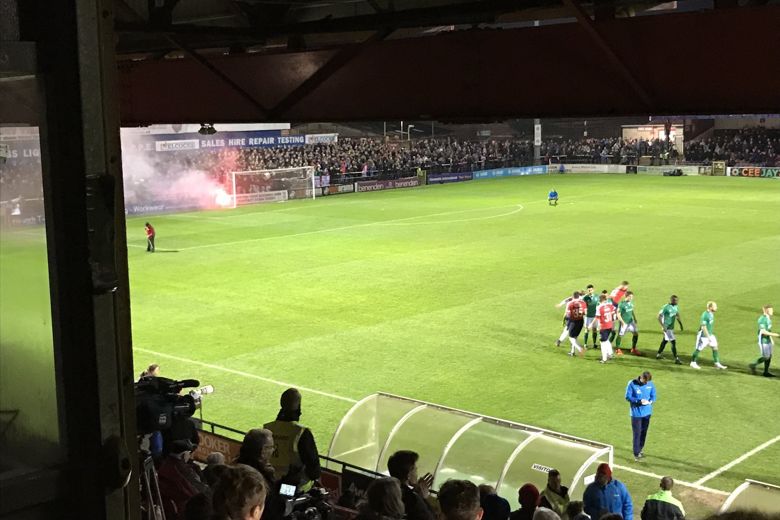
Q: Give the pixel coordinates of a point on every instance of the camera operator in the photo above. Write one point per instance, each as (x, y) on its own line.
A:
(179, 481)
(255, 452)
(295, 458)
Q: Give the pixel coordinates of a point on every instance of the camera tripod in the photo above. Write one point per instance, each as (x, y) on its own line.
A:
(151, 499)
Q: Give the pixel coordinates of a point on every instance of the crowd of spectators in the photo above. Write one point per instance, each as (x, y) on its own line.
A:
(373, 157)
(369, 157)
(613, 150)
(749, 147)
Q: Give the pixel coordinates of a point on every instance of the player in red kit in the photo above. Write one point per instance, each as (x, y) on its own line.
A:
(605, 314)
(575, 312)
(565, 332)
(616, 296)
(149, 237)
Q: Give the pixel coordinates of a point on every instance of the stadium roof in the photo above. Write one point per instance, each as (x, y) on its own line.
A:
(456, 60)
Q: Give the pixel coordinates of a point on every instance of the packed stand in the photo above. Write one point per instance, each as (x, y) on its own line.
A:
(611, 150)
(749, 147)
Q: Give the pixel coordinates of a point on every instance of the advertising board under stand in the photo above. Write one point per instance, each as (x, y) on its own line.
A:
(510, 172)
(335, 189)
(211, 442)
(755, 171)
(389, 184)
(444, 178)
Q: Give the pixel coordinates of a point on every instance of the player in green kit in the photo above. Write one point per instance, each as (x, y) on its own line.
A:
(705, 338)
(592, 301)
(666, 317)
(766, 341)
(628, 321)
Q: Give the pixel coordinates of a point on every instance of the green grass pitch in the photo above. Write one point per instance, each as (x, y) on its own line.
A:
(447, 293)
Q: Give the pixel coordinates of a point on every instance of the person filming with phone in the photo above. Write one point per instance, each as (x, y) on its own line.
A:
(414, 490)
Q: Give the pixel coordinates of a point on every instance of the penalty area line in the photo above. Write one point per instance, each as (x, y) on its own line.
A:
(246, 374)
(692, 485)
(736, 461)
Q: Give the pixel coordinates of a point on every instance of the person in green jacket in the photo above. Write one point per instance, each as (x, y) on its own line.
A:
(662, 505)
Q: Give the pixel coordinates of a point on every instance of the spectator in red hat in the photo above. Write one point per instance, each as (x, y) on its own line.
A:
(528, 496)
(607, 495)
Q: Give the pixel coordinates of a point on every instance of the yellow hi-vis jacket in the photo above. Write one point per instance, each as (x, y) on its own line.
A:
(286, 460)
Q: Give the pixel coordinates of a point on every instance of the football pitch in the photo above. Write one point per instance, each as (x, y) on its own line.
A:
(446, 294)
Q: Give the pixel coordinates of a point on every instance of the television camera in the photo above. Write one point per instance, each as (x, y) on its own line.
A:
(312, 505)
(159, 403)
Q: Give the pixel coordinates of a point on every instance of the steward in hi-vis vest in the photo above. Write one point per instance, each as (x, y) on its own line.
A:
(555, 496)
(295, 458)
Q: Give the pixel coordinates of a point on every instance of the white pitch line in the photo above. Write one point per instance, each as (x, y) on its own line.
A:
(681, 482)
(340, 228)
(246, 374)
(737, 461)
(353, 226)
(517, 209)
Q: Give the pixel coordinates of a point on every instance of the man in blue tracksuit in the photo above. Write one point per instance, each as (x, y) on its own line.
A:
(640, 394)
(606, 495)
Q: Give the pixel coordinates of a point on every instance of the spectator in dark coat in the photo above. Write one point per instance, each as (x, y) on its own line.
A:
(528, 496)
(255, 452)
(414, 491)
(178, 480)
(662, 505)
(494, 506)
(574, 511)
(383, 501)
(459, 500)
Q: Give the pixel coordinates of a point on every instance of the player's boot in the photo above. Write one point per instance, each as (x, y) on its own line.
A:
(695, 365)
(720, 366)
(769, 374)
(752, 367)
(636, 352)
(618, 352)
(677, 361)
(659, 356)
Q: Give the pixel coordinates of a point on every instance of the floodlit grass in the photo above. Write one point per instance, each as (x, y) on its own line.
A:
(446, 294)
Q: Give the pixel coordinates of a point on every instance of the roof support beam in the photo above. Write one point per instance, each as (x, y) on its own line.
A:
(342, 58)
(262, 112)
(619, 66)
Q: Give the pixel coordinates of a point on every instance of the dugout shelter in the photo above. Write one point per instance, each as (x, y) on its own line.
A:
(756, 495)
(458, 444)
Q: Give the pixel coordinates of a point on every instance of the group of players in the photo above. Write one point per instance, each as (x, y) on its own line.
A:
(610, 316)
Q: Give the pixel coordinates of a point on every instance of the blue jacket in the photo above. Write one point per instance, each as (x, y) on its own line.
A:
(635, 392)
(612, 498)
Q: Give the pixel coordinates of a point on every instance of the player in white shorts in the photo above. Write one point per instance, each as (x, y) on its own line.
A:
(565, 332)
(705, 338)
